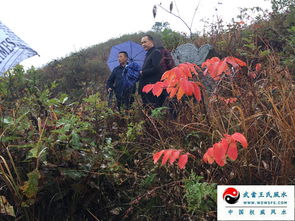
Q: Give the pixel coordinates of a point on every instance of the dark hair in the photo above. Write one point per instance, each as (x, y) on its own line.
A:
(124, 52)
(149, 37)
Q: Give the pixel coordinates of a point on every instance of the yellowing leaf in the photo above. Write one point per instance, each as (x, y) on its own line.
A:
(30, 187)
(180, 93)
(5, 207)
(208, 156)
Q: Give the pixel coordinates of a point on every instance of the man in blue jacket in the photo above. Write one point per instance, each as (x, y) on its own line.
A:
(151, 72)
(124, 95)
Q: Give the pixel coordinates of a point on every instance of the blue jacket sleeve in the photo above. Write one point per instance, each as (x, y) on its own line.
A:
(111, 80)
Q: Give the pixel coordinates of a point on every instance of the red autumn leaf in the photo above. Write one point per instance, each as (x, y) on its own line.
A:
(212, 70)
(187, 86)
(165, 75)
(240, 62)
(252, 74)
(157, 156)
(192, 68)
(258, 67)
(172, 155)
(231, 60)
(240, 138)
(228, 100)
(169, 89)
(208, 156)
(185, 69)
(182, 161)
(179, 75)
(180, 93)
(233, 100)
(207, 159)
(219, 152)
(175, 155)
(197, 92)
(232, 151)
(147, 88)
(165, 84)
(215, 67)
(210, 61)
(167, 154)
(227, 138)
(226, 147)
(235, 62)
(172, 83)
(169, 74)
(222, 67)
(172, 92)
(158, 88)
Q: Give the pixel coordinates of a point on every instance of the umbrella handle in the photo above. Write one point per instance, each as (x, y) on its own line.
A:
(110, 98)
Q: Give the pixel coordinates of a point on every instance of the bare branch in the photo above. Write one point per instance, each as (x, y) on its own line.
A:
(196, 9)
(177, 16)
(176, 7)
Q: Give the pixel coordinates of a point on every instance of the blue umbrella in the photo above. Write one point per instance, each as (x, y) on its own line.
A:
(135, 54)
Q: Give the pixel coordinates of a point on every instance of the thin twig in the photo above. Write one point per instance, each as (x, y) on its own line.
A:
(195, 14)
(137, 200)
(177, 16)
(92, 215)
(153, 123)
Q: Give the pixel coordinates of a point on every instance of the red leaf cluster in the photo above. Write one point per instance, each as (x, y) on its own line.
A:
(176, 82)
(156, 88)
(226, 147)
(172, 155)
(253, 74)
(216, 67)
(228, 100)
(258, 67)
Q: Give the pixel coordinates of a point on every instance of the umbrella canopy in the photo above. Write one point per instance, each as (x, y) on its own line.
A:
(134, 50)
(13, 49)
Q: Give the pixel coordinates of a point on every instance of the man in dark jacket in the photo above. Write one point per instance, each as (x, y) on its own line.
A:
(124, 96)
(150, 73)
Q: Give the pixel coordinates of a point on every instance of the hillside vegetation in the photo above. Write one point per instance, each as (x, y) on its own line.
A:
(65, 155)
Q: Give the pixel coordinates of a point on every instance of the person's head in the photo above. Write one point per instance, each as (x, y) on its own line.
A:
(147, 42)
(123, 57)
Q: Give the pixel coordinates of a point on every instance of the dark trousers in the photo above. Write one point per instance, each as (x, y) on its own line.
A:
(125, 99)
(148, 99)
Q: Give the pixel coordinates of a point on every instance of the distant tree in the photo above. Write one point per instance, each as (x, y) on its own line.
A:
(160, 26)
(282, 5)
